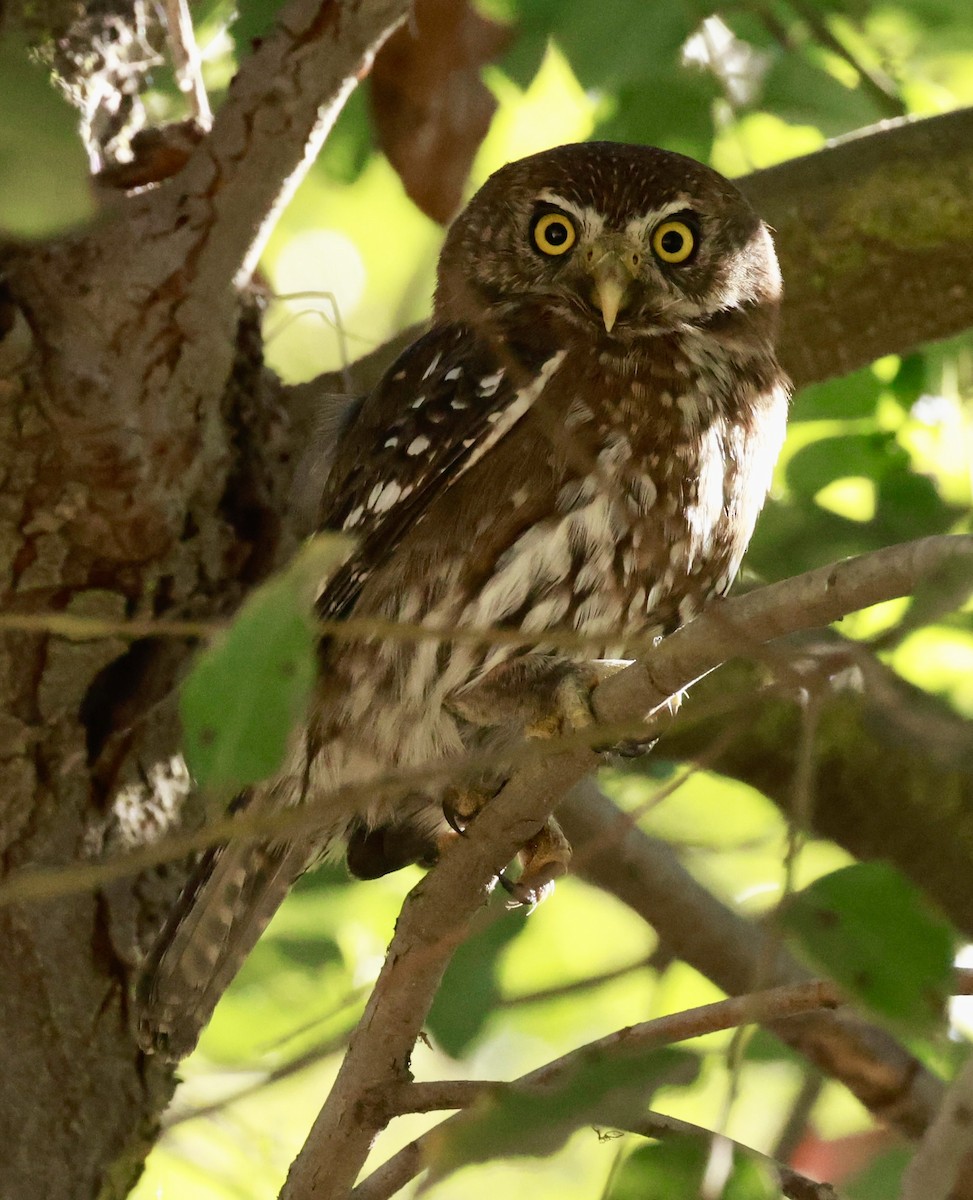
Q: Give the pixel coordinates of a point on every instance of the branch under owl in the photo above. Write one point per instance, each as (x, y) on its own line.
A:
(436, 913)
(636, 699)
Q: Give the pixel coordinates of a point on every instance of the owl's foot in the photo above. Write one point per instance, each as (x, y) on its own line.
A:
(567, 703)
(461, 804)
(635, 747)
(545, 857)
(542, 696)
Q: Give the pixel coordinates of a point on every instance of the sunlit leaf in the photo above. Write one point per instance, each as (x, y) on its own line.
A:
(46, 181)
(872, 931)
(606, 1090)
(248, 688)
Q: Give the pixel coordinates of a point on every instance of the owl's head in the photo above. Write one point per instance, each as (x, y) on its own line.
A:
(619, 241)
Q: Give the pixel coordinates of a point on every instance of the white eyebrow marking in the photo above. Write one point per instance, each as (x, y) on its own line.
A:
(638, 226)
(590, 220)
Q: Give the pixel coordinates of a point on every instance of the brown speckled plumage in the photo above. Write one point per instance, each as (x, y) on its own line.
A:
(535, 460)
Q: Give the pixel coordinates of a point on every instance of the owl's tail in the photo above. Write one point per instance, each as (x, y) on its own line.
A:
(233, 893)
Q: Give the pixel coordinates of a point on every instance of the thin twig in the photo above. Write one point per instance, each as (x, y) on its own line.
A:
(620, 703)
(793, 1129)
(933, 1170)
(40, 883)
(185, 57)
(777, 1003)
(882, 90)
(647, 875)
(794, 1185)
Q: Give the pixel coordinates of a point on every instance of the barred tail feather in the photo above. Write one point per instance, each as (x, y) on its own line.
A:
(234, 892)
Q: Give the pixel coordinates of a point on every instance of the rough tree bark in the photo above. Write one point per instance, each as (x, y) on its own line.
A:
(146, 457)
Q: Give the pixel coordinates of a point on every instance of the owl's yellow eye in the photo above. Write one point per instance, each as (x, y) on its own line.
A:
(553, 233)
(673, 242)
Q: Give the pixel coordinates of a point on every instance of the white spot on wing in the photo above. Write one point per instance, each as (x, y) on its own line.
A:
(417, 445)
(432, 366)
(388, 496)
(490, 383)
(510, 415)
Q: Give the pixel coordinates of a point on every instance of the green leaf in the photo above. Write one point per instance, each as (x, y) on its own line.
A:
(673, 1170)
(801, 91)
(872, 931)
(643, 112)
(908, 505)
(798, 536)
(819, 463)
(850, 396)
(250, 686)
(254, 20)
(350, 144)
(470, 988)
(606, 45)
(507, 1121)
(910, 380)
(312, 953)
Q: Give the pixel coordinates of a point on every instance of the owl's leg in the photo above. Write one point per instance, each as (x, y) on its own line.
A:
(545, 698)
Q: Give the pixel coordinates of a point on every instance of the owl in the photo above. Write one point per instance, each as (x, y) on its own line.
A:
(581, 442)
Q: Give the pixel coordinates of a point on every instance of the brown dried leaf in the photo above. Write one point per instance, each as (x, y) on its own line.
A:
(430, 107)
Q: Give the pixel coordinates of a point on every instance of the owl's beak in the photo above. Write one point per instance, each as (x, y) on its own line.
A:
(612, 270)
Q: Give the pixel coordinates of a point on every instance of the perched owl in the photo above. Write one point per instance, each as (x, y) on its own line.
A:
(582, 441)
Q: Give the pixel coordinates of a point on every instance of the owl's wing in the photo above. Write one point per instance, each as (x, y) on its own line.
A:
(439, 409)
(443, 405)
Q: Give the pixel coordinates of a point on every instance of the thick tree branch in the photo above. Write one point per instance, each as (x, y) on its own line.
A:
(280, 107)
(947, 1146)
(893, 765)
(875, 236)
(647, 876)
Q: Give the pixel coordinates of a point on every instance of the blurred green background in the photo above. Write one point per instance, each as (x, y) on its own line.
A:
(875, 458)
